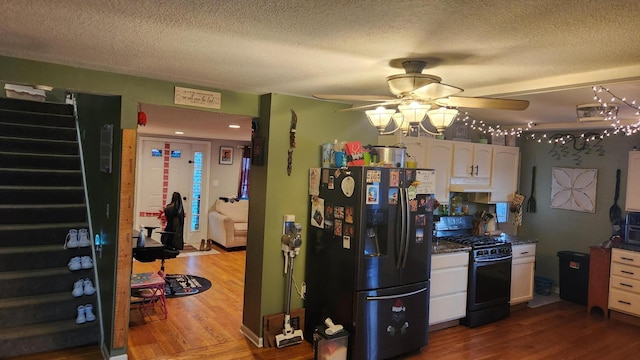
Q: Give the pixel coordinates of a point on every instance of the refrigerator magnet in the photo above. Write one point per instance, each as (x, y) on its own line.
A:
(372, 194)
(419, 235)
(373, 176)
(337, 227)
(346, 242)
(314, 181)
(393, 196)
(317, 212)
(331, 183)
(394, 178)
(348, 186)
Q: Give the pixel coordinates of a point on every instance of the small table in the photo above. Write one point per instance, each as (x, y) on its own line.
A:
(154, 283)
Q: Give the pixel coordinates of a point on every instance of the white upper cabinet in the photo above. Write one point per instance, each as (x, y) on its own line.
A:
(504, 173)
(438, 156)
(471, 160)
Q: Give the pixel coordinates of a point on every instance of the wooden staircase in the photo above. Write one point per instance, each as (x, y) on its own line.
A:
(42, 198)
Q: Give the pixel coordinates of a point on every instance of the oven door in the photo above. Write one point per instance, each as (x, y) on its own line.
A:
(489, 283)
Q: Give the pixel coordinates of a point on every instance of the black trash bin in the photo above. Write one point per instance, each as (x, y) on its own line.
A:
(574, 276)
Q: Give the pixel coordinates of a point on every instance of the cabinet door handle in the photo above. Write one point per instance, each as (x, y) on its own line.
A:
(524, 252)
(626, 258)
(627, 285)
(624, 302)
(626, 272)
(476, 170)
(471, 173)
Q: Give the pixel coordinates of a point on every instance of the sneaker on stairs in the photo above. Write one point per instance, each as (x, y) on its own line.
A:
(71, 240)
(78, 288)
(88, 312)
(81, 318)
(74, 263)
(86, 262)
(88, 287)
(83, 238)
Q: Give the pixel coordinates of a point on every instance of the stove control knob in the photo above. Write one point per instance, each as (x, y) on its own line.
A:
(493, 251)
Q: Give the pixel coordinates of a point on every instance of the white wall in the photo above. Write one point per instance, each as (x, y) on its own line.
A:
(224, 179)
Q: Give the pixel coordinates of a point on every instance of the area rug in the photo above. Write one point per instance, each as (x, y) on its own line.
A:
(541, 300)
(179, 285)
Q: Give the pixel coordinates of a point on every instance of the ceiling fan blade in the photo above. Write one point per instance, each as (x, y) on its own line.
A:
(484, 103)
(354, 97)
(370, 106)
(435, 90)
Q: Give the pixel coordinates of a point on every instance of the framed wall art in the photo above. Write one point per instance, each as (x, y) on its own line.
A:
(226, 155)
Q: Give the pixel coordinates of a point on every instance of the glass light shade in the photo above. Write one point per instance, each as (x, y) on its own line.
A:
(401, 123)
(414, 113)
(442, 118)
(380, 117)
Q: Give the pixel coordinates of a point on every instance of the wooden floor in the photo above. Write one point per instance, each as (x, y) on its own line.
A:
(207, 326)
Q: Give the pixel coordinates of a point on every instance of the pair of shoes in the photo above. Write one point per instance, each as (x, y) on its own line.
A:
(209, 245)
(83, 287)
(77, 238)
(202, 242)
(78, 262)
(85, 313)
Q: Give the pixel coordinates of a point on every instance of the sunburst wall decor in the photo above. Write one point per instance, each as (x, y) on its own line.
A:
(574, 189)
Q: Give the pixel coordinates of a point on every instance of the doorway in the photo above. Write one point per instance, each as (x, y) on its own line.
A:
(166, 166)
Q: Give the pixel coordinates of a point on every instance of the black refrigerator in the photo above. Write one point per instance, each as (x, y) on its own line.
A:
(368, 257)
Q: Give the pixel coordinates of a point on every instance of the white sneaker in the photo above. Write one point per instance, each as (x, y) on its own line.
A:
(86, 262)
(78, 288)
(83, 238)
(81, 319)
(88, 312)
(71, 241)
(88, 287)
(74, 263)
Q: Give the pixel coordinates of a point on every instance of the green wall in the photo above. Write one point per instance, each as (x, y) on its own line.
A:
(557, 229)
(318, 122)
(134, 90)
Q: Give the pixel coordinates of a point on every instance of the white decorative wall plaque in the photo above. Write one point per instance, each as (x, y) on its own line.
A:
(574, 189)
(195, 97)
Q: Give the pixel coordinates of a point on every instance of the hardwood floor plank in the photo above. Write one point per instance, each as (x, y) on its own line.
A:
(207, 326)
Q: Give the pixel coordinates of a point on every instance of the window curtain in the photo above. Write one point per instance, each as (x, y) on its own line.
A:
(243, 186)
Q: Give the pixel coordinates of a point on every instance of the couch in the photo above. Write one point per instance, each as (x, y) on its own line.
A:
(228, 221)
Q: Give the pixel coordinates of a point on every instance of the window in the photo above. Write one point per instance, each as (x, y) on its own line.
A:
(243, 188)
(196, 191)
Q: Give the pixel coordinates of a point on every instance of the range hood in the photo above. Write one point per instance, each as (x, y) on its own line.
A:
(471, 188)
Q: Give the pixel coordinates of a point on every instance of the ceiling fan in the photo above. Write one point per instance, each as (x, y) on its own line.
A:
(416, 86)
(415, 93)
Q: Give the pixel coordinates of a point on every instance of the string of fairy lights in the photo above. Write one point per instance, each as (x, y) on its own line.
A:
(602, 95)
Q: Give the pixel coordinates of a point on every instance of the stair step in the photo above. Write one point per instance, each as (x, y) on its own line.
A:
(19, 105)
(36, 234)
(19, 130)
(39, 177)
(40, 281)
(35, 213)
(38, 146)
(32, 339)
(18, 258)
(21, 160)
(41, 194)
(29, 310)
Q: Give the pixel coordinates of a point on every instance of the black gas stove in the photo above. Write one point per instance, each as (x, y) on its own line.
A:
(483, 247)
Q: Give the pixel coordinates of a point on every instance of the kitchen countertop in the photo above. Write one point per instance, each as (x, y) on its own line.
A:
(444, 247)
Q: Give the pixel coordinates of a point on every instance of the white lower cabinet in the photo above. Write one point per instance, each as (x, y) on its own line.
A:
(449, 274)
(522, 271)
(624, 285)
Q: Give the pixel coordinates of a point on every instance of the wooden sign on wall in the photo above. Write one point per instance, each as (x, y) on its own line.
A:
(195, 97)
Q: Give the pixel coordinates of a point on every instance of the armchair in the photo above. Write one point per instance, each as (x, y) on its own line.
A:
(228, 223)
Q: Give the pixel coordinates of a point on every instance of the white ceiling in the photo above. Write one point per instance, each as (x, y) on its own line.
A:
(549, 52)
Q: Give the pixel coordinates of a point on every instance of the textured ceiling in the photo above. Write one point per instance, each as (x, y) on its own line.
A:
(546, 51)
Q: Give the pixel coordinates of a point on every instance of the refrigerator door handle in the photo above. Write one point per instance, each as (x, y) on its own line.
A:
(403, 221)
(407, 211)
(387, 297)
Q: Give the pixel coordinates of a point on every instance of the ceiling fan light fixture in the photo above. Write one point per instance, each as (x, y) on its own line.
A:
(442, 118)
(401, 123)
(380, 118)
(415, 112)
